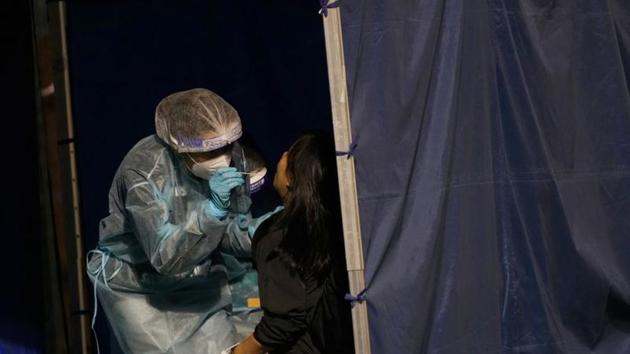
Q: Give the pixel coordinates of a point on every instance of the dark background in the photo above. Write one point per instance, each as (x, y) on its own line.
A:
(266, 58)
(21, 305)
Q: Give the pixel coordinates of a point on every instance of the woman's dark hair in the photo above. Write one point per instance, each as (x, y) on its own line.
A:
(311, 218)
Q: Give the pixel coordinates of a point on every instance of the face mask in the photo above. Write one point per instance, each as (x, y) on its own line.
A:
(207, 168)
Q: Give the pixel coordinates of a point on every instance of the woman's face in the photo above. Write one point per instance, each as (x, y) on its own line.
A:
(281, 180)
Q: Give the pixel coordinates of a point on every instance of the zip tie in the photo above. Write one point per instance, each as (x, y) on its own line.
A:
(358, 298)
(350, 152)
(325, 6)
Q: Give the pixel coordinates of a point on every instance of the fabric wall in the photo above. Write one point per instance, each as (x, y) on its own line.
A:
(493, 169)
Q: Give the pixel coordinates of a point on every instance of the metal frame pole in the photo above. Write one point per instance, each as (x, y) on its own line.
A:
(346, 173)
(72, 238)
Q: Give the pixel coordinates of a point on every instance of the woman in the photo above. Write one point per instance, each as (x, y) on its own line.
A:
(300, 261)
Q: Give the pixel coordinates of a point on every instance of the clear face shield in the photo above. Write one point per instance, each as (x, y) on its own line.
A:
(247, 160)
(240, 201)
(229, 153)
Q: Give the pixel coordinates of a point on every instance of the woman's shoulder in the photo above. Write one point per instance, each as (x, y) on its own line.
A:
(267, 237)
(269, 229)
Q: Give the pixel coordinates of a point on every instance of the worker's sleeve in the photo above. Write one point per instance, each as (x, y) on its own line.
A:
(170, 248)
(236, 240)
(240, 231)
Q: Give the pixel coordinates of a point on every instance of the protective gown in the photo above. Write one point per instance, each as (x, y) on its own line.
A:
(158, 271)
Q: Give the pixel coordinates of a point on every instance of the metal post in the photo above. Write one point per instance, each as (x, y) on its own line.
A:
(71, 238)
(346, 173)
(55, 303)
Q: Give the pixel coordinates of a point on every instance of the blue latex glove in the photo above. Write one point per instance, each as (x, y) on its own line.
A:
(221, 184)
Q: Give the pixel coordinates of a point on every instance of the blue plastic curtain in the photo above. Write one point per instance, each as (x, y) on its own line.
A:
(493, 168)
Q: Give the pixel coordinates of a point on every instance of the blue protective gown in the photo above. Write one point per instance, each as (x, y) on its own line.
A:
(158, 271)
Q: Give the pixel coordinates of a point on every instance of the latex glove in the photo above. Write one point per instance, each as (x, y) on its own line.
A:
(221, 184)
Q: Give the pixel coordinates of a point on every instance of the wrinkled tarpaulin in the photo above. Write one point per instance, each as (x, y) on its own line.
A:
(493, 167)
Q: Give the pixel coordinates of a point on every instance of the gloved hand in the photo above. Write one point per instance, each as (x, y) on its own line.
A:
(221, 184)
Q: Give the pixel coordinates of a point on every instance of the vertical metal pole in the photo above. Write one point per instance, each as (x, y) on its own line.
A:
(56, 316)
(347, 178)
(58, 10)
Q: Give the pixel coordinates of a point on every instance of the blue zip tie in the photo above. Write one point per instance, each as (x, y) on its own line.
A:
(358, 298)
(325, 6)
(350, 152)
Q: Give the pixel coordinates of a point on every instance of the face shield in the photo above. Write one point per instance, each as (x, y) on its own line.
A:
(198, 121)
(203, 165)
(255, 167)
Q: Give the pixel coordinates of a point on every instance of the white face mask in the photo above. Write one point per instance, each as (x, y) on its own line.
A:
(207, 168)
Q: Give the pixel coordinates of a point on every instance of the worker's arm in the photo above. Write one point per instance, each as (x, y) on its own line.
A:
(172, 248)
